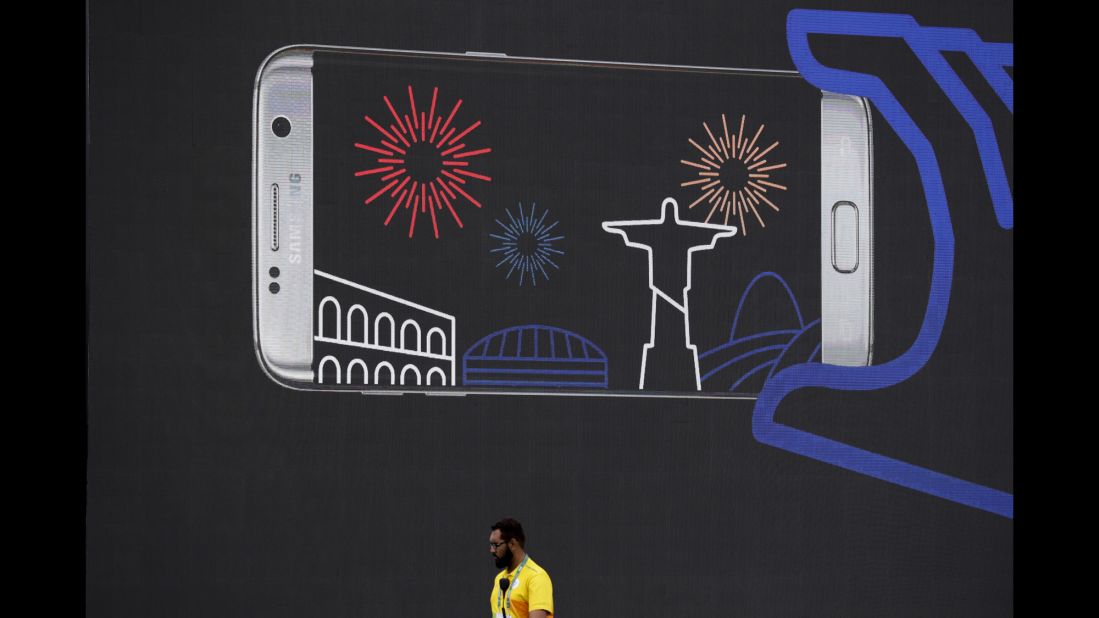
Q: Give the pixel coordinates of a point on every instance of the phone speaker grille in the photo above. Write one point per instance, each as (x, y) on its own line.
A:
(275, 217)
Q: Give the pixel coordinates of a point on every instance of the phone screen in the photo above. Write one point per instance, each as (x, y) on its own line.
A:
(460, 237)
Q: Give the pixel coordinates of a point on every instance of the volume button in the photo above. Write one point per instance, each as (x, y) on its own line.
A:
(486, 54)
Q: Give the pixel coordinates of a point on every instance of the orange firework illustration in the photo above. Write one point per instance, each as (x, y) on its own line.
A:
(733, 175)
(423, 159)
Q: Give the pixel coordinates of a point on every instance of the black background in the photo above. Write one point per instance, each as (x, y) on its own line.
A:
(212, 491)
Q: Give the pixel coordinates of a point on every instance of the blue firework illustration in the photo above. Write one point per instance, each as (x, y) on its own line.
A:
(527, 244)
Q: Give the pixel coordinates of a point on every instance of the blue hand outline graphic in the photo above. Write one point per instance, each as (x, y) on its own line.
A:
(928, 44)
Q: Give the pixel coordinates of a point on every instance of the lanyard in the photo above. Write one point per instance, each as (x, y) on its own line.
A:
(515, 578)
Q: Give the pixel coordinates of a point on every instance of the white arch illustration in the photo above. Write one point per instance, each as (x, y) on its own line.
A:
(320, 369)
(414, 370)
(378, 369)
(366, 370)
(410, 321)
(366, 323)
(320, 315)
(439, 372)
(392, 329)
(449, 339)
(442, 337)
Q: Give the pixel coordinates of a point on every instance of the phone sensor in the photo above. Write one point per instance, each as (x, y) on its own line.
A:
(281, 126)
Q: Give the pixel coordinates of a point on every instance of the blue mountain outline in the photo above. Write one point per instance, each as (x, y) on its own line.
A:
(776, 342)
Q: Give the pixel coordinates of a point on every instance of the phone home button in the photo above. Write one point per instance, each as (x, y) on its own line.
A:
(845, 237)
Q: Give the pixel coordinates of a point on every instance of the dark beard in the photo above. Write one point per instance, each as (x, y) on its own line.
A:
(504, 561)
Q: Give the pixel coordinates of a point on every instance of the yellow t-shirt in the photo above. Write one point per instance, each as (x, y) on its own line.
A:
(530, 591)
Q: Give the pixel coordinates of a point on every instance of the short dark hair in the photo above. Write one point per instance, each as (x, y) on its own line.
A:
(510, 529)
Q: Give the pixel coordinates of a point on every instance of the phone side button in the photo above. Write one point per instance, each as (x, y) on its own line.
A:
(486, 54)
(444, 394)
(845, 237)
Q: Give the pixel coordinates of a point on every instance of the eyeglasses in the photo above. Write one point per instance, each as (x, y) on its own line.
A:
(496, 546)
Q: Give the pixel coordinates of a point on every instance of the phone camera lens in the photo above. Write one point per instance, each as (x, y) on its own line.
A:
(274, 287)
(274, 272)
(281, 126)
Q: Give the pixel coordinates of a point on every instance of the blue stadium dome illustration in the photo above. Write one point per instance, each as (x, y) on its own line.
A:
(535, 355)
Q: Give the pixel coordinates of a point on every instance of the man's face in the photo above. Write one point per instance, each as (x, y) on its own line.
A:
(500, 550)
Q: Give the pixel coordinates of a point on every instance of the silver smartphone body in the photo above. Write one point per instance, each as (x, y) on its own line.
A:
(289, 319)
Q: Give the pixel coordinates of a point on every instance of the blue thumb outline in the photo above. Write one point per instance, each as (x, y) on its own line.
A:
(927, 44)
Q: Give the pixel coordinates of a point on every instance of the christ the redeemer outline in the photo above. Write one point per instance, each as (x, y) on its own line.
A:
(674, 286)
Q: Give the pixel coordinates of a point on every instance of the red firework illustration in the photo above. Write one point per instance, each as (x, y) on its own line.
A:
(423, 163)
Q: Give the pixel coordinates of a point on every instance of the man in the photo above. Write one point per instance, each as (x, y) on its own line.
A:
(522, 589)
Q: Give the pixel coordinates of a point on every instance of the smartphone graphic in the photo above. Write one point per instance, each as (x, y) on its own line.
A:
(464, 223)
